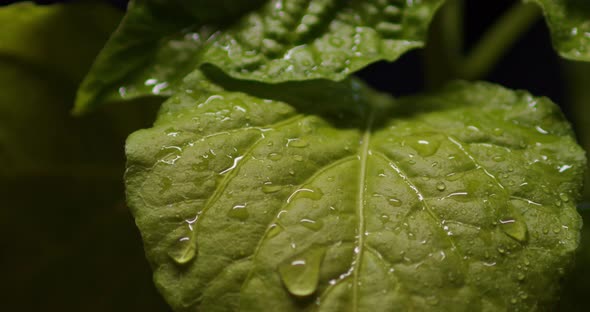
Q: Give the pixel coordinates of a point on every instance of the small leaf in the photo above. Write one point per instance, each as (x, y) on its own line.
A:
(450, 201)
(569, 22)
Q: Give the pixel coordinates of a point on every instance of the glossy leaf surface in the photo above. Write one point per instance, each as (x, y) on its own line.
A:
(341, 199)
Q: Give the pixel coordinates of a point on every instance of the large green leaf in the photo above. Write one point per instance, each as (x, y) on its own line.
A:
(160, 42)
(342, 199)
(569, 22)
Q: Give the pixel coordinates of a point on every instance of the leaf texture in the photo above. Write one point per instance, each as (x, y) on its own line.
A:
(160, 42)
(460, 200)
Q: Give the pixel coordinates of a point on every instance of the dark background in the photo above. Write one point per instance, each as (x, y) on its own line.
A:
(93, 260)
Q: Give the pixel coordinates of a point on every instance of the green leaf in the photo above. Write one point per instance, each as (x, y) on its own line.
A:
(303, 40)
(569, 22)
(460, 200)
(160, 42)
(154, 47)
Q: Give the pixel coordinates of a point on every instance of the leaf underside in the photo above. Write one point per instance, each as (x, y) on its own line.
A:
(341, 199)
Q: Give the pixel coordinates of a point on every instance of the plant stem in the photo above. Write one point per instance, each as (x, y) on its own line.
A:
(445, 44)
(497, 40)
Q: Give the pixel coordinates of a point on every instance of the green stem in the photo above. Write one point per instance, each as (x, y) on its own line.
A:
(445, 44)
(497, 40)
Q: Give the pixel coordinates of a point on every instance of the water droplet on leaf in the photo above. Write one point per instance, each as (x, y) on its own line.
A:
(184, 251)
(239, 212)
(515, 229)
(301, 273)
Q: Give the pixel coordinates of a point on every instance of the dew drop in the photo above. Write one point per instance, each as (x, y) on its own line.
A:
(270, 188)
(314, 194)
(424, 147)
(564, 197)
(298, 157)
(238, 212)
(314, 225)
(395, 202)
(515, 229)
(520, 276)
(301, 273)
(454, 176)
(498, 158)
(184, 251)
(274, 156)
(297, 143)
(169, 154)
(274, 230)
(441, 186)
(498, 131)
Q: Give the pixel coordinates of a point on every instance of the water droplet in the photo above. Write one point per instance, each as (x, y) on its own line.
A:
(313, 194)
(239, 212)
(298, 157)
(184, 251)
(424, 147)
(395, 202)
(270, 188)
(275, 229)
(274, 156)
(498, 158)
(314, 225)
(301, 273)
(169, 154)
(441, 186)
(564, 197)
(520, 276)
(498, 131)
(515, 229)
(513, 300)
(297, 143)
(454, 176)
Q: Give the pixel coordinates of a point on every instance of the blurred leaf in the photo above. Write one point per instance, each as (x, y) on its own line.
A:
(68, 238)
(154, 47)
(569, 22)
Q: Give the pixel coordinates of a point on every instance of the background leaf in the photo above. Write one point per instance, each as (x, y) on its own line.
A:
(68, 241)
(569, 22)
(454, 200)
(154, 47)
(159, 43)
